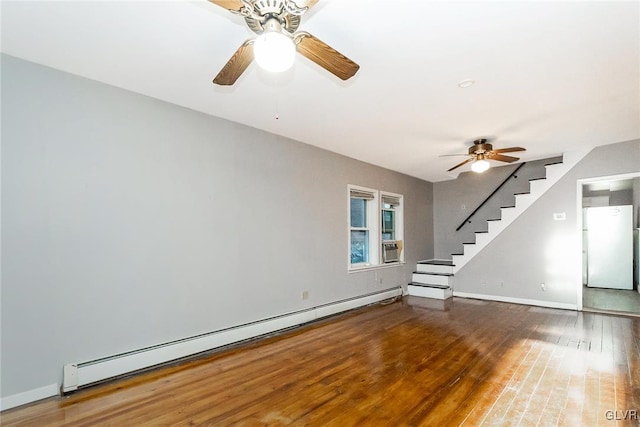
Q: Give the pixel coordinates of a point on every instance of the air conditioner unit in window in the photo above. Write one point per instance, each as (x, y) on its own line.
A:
(390, 252)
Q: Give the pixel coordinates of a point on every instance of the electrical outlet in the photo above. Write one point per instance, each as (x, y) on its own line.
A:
(559, 216)
(305, 294)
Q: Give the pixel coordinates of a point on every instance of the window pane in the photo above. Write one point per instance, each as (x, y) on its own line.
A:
(388, 225)
(358, 213)
(359, 246)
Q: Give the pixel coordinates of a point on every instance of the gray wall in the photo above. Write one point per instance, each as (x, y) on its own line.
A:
(129, 222)
(535, 249)
(614, 198)
(622, 197)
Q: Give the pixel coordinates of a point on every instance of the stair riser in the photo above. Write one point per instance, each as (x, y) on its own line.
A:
(469, 249)
(520, 198)
(538, 187)
(495, 226)
(554, 171)
(508, 214)
(434, 293)
(482, 238)
(429, 268)
(430, 279)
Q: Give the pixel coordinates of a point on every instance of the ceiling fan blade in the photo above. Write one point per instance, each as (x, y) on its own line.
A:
(509, 150)
(453, 155)
(502, 158)
(460, 164)
(234, 5)
(325, 56)
(236, 65)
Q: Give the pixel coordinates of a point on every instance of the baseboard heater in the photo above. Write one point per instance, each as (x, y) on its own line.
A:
(76, 375)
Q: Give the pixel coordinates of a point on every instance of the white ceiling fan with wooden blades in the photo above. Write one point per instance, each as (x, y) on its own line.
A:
(276, 23)
(481, 151)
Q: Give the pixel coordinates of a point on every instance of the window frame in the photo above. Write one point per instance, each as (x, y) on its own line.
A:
(398, 219)
(371, 227)
(374, 209)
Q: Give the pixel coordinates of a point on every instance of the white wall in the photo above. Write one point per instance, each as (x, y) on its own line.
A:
(129, 222)
(535, 249)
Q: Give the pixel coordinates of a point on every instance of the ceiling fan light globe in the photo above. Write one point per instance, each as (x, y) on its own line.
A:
(273, 51)
(480, 166)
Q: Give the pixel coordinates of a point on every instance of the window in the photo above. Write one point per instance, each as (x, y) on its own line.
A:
(390, 204)
(375, 227)
(363, 220)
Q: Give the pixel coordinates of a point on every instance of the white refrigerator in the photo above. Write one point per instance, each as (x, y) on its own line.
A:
(609, 235)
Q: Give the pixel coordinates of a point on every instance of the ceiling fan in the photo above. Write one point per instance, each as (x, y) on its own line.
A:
(481, 151)
(276, 23)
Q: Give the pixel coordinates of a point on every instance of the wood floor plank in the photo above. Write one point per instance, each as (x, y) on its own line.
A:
(466, 362)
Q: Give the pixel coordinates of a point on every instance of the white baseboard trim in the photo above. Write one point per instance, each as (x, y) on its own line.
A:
(76, 375)
(29, 396)
(523, 301)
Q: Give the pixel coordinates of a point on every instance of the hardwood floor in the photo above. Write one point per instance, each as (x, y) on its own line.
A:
(411, 363)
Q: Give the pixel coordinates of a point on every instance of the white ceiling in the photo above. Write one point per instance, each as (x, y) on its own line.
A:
(550, 76)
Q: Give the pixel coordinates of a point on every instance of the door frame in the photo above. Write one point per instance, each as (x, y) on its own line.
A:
(580, 183)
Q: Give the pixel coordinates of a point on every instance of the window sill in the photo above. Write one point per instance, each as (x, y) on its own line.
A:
(375, 267)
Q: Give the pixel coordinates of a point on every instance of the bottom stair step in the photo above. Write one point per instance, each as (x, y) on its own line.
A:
(427, 285)
(438, 262)
(430, 291)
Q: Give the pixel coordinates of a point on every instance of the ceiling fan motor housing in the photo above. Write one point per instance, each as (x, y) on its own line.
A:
(267, 10)
(269, 6)
(480, 146)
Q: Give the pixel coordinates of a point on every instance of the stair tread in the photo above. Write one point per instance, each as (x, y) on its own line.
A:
(425, 285)
(507, 207)
(438, 262)
(457, 254)
(433, 274)
(554, 163)
(521, 194)
(537, 179)
(468, 243)
(481, 232)
(495, 219)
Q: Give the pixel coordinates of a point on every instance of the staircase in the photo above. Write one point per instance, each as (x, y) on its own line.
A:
(432, 279)
(435, 278)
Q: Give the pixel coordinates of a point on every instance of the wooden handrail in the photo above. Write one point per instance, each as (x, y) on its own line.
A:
(490, 195)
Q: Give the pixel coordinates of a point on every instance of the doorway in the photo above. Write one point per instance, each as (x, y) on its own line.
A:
(609, 226)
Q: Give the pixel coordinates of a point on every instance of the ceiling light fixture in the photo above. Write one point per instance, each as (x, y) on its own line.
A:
(480, 165)
(272, 50)
(466, 83)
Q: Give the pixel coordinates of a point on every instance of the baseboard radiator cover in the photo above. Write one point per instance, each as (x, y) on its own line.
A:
(76, 375)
